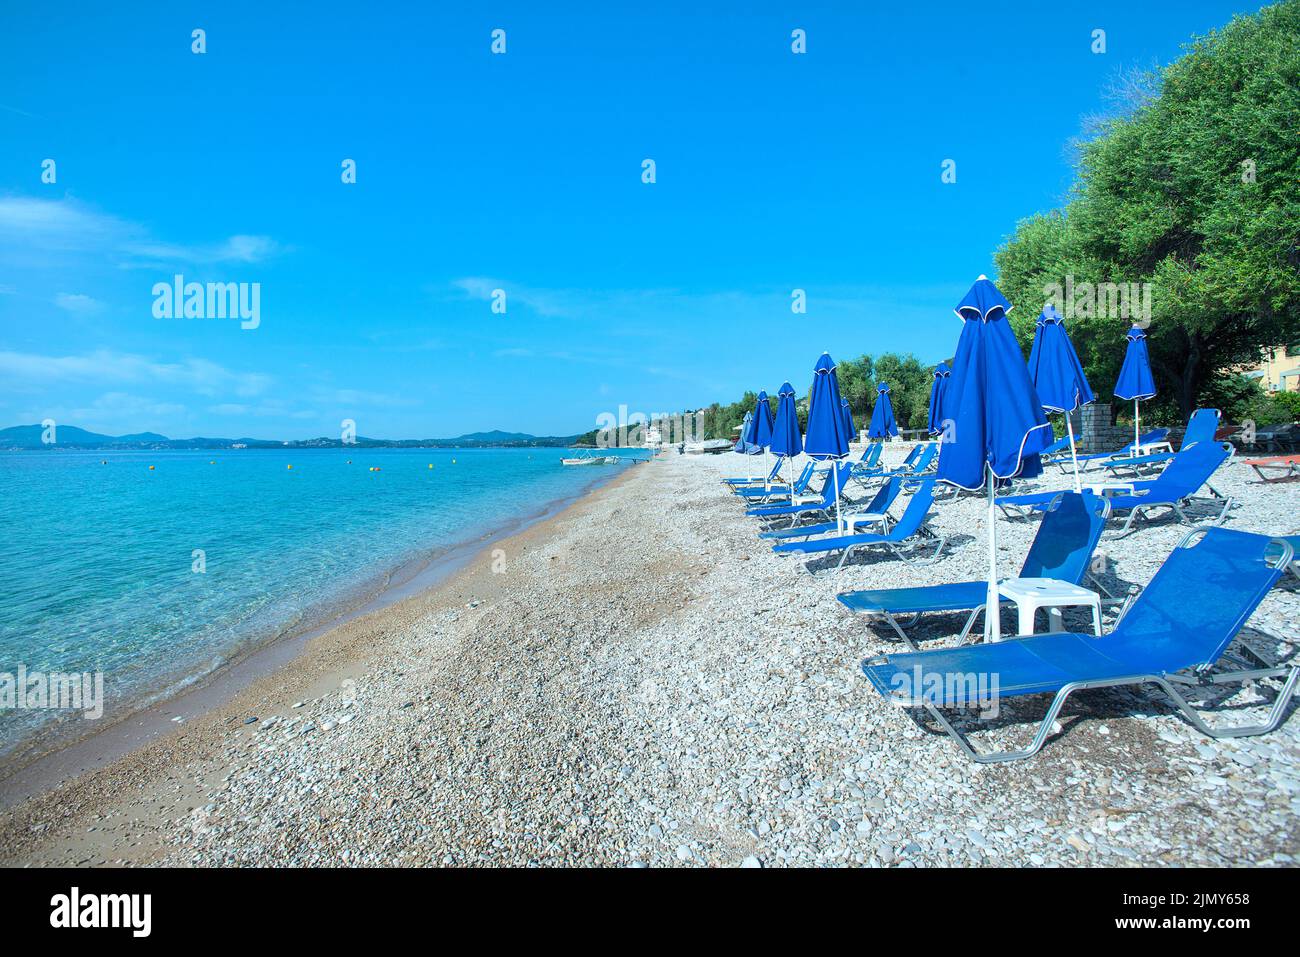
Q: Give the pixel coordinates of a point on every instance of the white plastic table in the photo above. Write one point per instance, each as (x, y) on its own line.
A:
(1031, 594)
(1105, 489)
(861, 518)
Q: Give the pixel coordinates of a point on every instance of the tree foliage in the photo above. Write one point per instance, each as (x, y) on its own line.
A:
(1196, 192)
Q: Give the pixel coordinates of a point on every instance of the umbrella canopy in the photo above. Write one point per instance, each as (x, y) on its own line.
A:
(1058, 376)
(882, 416)
(849, 430)
(827, 436)
(1135, 379)
(786, 439)
(998, 422)
(760, 423)
(1054, 366)
(942, 376)
(742, 446)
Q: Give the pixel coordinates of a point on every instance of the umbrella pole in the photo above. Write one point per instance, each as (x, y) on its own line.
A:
(1074, 457)
(993, 610)
(767, 472)
(1137, 433)
(835, 476)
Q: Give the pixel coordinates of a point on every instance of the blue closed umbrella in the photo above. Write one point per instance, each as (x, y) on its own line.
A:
(942, 376)
(743, 446)
(827, 437)
(849, 430)
(998, 422)
(760, 423)
(760, 429)
(882, 416)
(1058, 376)
(1135, 379)
(786, 440)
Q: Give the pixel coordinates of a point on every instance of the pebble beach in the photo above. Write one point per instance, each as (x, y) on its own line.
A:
(639, 681)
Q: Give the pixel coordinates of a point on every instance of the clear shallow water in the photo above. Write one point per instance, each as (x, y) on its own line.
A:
(96, 560)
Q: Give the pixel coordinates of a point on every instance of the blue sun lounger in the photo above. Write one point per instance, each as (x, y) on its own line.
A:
(824, 506)
(1175, 634)
(1147, 438)
(1201, 427)
(771, 494)
(1062, 549)
(870, 462)
(918, 461)
(1175, 488)
(1056, 448)
(752, 480)
(910, 533)
(875, 511)
(870, 456)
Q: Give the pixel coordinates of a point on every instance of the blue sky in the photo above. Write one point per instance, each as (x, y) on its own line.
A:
(519, 172)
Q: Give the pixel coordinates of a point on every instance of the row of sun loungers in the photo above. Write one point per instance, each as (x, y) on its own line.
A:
(1177, 488)
(1159, 637)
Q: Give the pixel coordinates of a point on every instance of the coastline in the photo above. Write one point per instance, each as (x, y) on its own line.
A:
(287, 657)
(646, 683)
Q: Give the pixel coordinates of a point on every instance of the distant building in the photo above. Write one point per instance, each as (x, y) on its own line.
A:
(1278, 370)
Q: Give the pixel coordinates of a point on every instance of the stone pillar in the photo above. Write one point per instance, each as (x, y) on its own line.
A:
(1095, 424)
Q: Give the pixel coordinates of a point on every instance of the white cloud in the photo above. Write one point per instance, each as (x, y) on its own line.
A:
(68, 225)
(360, 398)
(544, 302)
(123, 405)
(237, 249)
(78, 304)
(103, 366)
(265, 410)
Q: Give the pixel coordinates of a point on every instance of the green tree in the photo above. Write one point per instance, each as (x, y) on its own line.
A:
(1195, 192)
(909, 388)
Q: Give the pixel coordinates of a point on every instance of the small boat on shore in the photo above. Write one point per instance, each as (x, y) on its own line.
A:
(586, 458)
(708, 447)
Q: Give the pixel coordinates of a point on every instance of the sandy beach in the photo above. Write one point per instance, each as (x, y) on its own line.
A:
(639, 681)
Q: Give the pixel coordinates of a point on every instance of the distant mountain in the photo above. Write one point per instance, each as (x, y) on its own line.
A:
(71, 437)
(496, 435)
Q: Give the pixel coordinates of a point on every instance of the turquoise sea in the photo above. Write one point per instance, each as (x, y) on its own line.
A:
(154, 577)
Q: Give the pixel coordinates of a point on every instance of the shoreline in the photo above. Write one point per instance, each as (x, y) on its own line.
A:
(33, 776)
(644, 682)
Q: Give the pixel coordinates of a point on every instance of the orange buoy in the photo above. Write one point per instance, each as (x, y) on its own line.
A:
(288, 466)
(151, 468)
